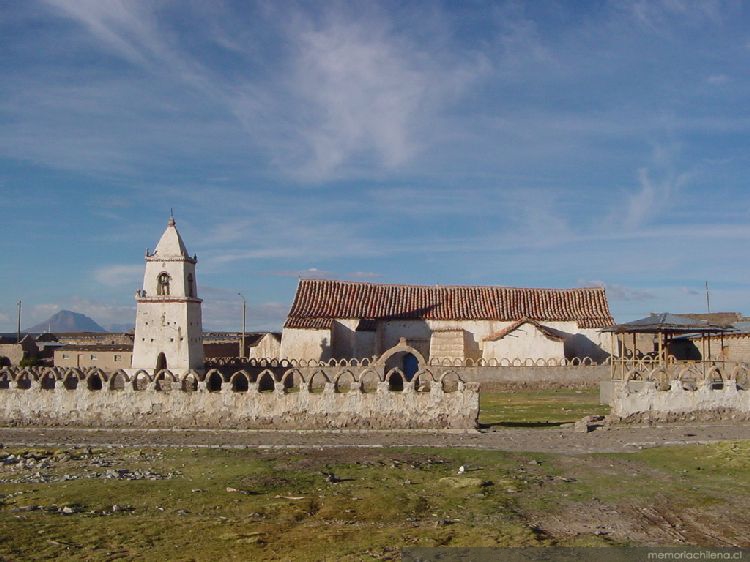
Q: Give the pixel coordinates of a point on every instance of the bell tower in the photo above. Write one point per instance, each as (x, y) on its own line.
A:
(168, 326)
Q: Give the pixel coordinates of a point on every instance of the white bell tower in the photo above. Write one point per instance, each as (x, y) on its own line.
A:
(168, 327)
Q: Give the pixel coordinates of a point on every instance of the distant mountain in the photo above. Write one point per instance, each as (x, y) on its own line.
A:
(66, 321)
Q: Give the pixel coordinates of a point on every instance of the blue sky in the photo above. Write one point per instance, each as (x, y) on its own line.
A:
(545, 144)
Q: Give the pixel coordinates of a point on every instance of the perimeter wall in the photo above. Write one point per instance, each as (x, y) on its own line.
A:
(359, 398)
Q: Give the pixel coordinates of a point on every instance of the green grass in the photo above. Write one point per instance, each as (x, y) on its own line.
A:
(284, 509)
(538, 408)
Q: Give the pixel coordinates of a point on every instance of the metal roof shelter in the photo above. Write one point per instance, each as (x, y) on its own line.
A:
(666, 326)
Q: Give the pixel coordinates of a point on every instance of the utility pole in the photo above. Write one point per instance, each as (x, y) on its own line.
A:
(244, 316)
(708, 300)
(18, 325)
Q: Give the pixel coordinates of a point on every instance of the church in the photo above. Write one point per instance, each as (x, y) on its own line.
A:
(340, 320)
(345, 320)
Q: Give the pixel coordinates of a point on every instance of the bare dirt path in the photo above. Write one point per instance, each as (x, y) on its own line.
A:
(557, 440)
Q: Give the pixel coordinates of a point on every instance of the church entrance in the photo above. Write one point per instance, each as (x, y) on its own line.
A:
(411, 366)
(161, 362)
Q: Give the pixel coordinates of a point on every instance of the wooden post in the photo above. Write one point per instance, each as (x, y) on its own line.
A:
(612, 355)
(661, 349)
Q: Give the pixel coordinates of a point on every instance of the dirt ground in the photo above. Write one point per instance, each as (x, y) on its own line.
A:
(609, 439)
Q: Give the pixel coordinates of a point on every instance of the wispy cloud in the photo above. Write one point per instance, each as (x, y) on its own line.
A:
(718, 79)
(310, 273)
(659, 15)
(125, 26)
(512, 143)
(119, 275)
(222, 310)
(355, 90)
(617, 292)
(104, 313)
(657, 190)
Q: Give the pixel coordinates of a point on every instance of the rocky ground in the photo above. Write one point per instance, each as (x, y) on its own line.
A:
(553, 440)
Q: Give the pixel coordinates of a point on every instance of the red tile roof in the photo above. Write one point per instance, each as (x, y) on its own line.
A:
(319, 301)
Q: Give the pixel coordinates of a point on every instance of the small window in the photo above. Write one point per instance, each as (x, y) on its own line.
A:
(190, 290)
(171, 339)
(65, 356)
(117, 357)
(93, 357)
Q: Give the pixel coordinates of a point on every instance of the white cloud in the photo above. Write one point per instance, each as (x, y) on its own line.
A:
(617, 292)
(658, 190)
(310, 273)
(104, 313)
(43, 310)
(354, 92)
(364, 275)
(661, 15)
(125, 26)
(717, 79)
(120, 275)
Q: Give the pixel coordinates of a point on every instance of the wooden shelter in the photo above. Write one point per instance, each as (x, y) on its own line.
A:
(665, 327)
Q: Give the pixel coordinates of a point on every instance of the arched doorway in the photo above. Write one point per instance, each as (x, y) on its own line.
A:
(404, 357)
(161, 362)
(410, 366)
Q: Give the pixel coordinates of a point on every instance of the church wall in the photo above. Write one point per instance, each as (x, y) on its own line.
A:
(306, 344)
(526, 341)
(416, 332)
(344, 338)
(448, 344)
(588, 342)
(365, 344)
(581, 342)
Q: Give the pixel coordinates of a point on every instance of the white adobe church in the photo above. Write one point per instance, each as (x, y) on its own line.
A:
(168, 326)
(340, 320)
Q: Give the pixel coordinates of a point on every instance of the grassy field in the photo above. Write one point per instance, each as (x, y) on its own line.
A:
(538, 408)
(280, 505)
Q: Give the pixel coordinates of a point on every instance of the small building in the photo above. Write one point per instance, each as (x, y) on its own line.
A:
(258, 345)
(106, 357)
(733, 345)
(91, 338)
(13, 351)
(341, 320)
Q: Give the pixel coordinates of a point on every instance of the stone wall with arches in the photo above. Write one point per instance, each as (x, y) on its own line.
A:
(526, 371)
(680, 391)
(258, 397)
